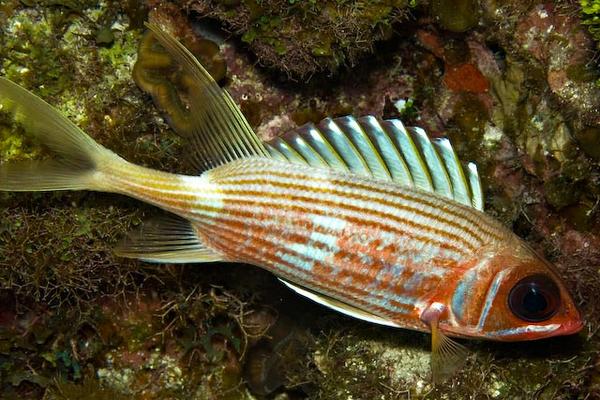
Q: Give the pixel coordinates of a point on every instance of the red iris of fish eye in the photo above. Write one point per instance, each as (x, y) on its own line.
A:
(534, 298)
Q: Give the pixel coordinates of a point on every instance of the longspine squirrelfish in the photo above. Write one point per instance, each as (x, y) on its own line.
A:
(364, 216)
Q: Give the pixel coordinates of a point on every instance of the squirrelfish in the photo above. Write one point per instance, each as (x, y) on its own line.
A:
(362, 215)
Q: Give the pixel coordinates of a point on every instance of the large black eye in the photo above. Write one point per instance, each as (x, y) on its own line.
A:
(534, 298)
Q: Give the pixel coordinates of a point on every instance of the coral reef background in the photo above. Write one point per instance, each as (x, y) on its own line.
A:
(514, 84)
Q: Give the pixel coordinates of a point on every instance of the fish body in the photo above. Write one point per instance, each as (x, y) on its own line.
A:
(362, 216)
(377, 246)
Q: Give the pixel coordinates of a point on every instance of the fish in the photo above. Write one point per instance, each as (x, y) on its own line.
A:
(362, 215)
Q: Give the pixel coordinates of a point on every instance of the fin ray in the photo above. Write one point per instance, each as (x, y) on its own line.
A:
(383, 150)
(447, 355)
(80, 156)
(339, 306)
(166, 240)
(220, 131)
(46, 175)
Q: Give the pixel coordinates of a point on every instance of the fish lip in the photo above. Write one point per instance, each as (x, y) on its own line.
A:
(536, 332)
(569, 327)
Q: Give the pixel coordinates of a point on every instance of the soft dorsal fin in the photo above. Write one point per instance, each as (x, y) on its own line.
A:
(339, 306)
(384, 150)
(220, 131)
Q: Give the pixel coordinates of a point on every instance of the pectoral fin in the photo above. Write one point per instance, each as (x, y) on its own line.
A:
(447, 355)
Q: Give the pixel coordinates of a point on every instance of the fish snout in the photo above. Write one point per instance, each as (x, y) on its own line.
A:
(569, 327)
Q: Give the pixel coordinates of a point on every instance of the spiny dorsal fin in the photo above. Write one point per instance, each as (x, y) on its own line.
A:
(167, 239)
(384, 150)
(220, 131)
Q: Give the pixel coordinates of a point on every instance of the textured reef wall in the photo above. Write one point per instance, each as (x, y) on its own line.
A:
(515, 84)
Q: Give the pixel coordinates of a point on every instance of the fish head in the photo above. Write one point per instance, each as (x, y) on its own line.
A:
(513, 295)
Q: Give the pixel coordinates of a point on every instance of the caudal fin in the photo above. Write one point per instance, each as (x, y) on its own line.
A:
(79, 156)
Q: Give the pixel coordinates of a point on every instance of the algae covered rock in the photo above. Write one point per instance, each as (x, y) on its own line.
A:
(301, 38)
(456, 16)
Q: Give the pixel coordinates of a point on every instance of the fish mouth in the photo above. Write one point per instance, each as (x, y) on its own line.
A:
(535, 332)
(569, 328)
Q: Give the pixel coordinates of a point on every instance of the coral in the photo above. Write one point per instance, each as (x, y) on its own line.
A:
(302, 38)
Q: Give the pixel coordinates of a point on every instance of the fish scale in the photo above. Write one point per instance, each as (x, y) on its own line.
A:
(292, 251)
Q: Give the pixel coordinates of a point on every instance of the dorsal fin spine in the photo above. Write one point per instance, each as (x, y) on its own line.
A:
(394, 160)
(366, 147)
(276, 154)
(288, 151)
(308, 152)
(410, 152)
(475, 184)
(457, 176)
(325, 148)
(439, 176)
(351, 156)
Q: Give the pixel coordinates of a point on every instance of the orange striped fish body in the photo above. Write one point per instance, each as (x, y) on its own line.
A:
(371, 244)
(377, 246)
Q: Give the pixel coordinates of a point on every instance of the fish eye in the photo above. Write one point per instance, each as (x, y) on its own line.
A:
(534, 298)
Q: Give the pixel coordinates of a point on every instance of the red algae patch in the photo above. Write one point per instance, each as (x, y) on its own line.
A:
(465, 78)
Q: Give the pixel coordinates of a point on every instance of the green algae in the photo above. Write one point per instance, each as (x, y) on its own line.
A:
(456, 16)
(590, 17)
(57, 269)
(470, 116)
(302, 38)
(589, 141)
(582, 73)
(89, 389)
(562, 192)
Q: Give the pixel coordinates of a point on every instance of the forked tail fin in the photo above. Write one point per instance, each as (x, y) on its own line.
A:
(80, 157)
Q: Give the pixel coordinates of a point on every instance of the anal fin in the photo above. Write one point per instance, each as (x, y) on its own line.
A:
(339, 306)
(166, 240)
